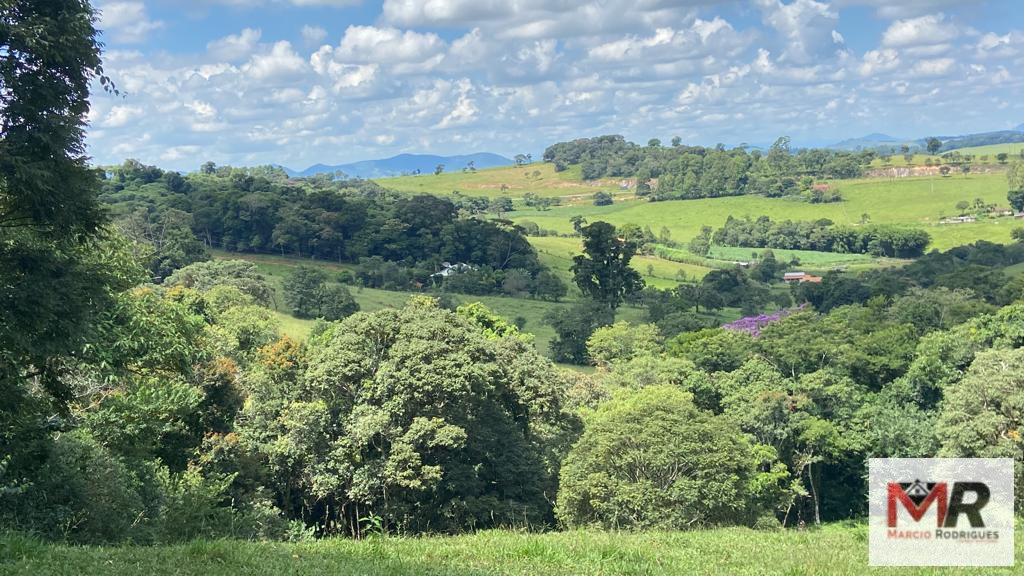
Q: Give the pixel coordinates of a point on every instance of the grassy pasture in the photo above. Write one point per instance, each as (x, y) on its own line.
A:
(276, 269)
(831, 550)
(908, 201)
(810, 260)
(539, 178)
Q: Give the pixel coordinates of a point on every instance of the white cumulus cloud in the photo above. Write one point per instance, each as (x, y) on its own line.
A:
(127, 22)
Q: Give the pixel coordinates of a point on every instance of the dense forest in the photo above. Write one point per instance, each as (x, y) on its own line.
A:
(399, 242)
(680, 171)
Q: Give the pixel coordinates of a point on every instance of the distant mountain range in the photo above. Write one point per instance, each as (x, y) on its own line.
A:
(404, 164)
(884, 141)
(868, 142)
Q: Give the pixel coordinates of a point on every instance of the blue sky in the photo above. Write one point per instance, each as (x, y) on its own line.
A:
(296, 82)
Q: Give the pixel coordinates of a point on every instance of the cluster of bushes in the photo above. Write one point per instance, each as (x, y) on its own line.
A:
(820, 235)
(191, 417)
(531, 228)
(679, 171)
(788, 415)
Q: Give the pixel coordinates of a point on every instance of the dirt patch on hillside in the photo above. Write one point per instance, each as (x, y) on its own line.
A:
(911, 171)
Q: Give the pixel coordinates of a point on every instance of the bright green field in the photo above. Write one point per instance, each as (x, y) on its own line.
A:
(516, 180)
(911, 201)
(809, 259)
(831, 550)
(276, 268)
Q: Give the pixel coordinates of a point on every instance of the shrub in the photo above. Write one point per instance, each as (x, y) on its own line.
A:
(203, 276)
(649, 459)
(192, 506)
(620, 342)
(82, 493)
(252, 326)
(336, 302)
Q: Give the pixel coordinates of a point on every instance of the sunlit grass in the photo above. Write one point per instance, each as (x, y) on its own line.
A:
(538, 178)
(831, 550)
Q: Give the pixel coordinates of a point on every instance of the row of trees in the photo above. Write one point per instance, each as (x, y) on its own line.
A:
(664, 173)
(820, 235)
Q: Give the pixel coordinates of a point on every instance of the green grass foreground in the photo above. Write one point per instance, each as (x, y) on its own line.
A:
(830, 550)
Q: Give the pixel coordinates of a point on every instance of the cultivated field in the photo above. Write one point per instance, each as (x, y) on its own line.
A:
(832, 550)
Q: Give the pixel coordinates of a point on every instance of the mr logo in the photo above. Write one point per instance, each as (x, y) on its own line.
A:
(970, 501)
(917, 497)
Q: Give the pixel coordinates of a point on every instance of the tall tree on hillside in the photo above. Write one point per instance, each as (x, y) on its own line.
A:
(934, 145)
(56, 278)
(1015, 180)
(50, 285)
(603, 272)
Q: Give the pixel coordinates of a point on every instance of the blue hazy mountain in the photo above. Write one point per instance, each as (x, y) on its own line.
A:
(405, 164)
(870, 142)
(886, 142)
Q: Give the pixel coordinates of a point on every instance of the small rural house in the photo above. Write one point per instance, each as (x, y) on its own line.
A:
(801, 277)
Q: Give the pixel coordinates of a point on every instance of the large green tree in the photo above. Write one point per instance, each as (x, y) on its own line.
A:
(602, 272)
(1015, 179)
(416, 417)
(307, 293)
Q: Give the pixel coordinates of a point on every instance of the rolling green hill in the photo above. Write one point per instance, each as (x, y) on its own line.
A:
(909, 201)
(539, 178)
(917, 201)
